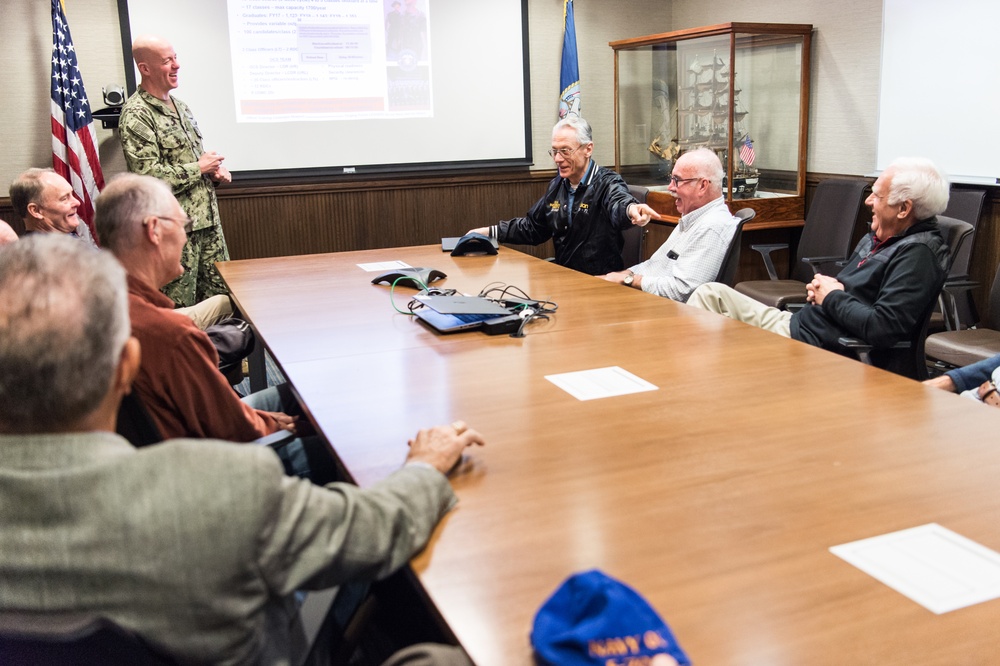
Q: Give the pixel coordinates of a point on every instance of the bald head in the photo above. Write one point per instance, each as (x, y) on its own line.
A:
(147, 46)
(7, 234)
(704, 163)
(698, 175)
(157, 63)
(123, 207)
(139, 220)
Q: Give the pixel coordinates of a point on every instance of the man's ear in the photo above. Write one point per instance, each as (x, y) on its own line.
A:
(35, 210)
(905, 209)
(128, 366)
(151, 229)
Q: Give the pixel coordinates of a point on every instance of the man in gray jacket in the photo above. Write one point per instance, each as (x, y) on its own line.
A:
(198, 546)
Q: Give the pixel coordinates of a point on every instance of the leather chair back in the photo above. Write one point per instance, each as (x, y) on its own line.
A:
(830, 223)
(731, 262)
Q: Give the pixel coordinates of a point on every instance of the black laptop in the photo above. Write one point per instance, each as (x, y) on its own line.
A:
(450, 314)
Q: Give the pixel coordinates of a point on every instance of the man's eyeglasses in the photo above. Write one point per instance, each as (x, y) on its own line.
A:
(564, 152)
(185, 222)
(677, 181)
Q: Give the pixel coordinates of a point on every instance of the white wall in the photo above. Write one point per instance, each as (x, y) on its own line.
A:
(597, 23)
(846, 56)
(25, 49)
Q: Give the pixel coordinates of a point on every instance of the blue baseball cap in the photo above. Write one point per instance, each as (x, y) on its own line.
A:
(595, 620)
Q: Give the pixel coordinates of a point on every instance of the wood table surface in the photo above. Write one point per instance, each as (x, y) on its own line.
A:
(716, 496)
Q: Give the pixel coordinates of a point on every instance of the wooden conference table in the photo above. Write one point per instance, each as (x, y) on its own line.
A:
(717, 496)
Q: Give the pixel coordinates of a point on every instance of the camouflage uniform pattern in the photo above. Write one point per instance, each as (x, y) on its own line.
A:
(161, 143)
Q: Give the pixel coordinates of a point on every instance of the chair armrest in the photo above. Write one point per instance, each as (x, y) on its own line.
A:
(765, 252)
(816, 263)
(959, 285)
(276, 439)
(863, 349)
(948, 300)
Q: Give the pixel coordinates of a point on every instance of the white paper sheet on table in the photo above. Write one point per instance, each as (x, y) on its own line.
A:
(383, 266)
(939, 569)
(600, 383)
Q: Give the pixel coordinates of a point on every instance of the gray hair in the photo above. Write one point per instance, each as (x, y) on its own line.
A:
(26, 189)
(63, 323)
(126, 201)
(584, 134)
(707, 165)
(917, 179)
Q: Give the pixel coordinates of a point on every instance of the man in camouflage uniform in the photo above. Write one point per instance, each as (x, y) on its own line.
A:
(161, 138)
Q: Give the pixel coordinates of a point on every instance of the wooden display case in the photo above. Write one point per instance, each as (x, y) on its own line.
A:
(739, 89)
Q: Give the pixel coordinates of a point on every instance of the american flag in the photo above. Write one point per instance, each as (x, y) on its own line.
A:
(746, 151)
(74, 141)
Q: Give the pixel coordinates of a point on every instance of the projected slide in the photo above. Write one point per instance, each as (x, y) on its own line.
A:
(340, 87)
(330, 59)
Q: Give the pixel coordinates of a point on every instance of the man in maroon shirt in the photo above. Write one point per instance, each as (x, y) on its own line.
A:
(142, 224)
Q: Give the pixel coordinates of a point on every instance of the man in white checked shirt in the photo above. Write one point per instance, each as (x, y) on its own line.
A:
(693, 253)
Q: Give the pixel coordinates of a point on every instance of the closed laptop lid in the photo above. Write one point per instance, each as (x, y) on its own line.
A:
(462, 305)
(449, 323)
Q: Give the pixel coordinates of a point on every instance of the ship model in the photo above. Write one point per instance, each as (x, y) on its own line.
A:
(702, 120)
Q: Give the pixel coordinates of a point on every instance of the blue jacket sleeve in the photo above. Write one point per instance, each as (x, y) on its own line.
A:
(973, 375)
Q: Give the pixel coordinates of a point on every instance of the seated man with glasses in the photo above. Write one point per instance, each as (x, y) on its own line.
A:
(141, 222)
(200, 547)
(695, 249)
(887, 285)
(584, 211)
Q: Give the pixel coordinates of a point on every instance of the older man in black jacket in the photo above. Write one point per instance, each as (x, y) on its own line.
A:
(584, 211)
(882, 293)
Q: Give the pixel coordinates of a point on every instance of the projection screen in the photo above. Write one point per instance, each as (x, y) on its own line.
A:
(326, 87)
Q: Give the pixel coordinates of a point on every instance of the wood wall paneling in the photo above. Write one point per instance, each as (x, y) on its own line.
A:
(268, 220)
(281, 220)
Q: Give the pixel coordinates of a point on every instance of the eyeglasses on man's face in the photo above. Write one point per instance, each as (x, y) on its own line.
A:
(676, 180)
(186, 222)
(563, 152)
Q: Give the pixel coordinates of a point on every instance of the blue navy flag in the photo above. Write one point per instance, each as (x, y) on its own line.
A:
(569, 75)
(74, 141)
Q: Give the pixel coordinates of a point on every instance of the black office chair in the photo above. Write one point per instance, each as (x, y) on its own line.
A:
(954, 349)
(635, 237)
(37, 639)
(957, 310)
(826, 239)
(731, 262)
(907, 357)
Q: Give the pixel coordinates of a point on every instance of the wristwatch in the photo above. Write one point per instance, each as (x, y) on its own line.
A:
(629, 279)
